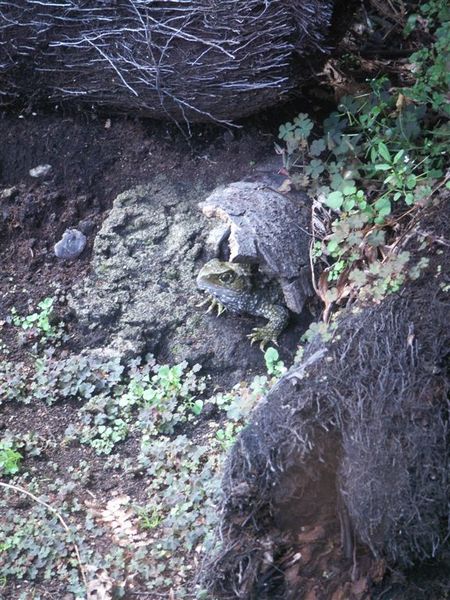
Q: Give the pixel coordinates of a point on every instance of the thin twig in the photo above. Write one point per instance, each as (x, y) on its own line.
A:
(19, 489)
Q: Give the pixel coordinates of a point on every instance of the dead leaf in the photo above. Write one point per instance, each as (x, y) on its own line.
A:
(311, 595)
(122, 520)
(322, 286)
(312, 535)
(343, 289)
(377, 571)
(285, 187)
(99, 584)
(360, 587)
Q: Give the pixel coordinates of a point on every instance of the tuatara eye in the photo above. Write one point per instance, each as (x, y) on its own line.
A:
(227, 277)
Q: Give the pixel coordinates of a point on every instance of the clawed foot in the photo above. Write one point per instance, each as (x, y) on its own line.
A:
(213, 303)
(264, 336)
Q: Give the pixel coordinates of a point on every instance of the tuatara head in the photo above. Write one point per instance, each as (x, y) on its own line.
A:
(230, 286)
(226, 282)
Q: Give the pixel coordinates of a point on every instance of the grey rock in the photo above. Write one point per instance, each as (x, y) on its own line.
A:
(71, 245)
(9, 193)
(86, 226)
(217, 239)
(40, 171)
(268, 228)
(141, 294)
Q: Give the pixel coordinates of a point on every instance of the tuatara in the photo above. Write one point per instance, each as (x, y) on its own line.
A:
(233, 286)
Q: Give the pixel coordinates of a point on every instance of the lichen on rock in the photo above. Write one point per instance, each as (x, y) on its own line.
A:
(142, 268)
(140, 295)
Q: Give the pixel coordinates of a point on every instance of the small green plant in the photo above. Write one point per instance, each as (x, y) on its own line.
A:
(149, 519)
(40, 324)
(10, 459)
(35, 545)
(170, 390)
(324, 330)
(227, 435)
(184, 480)
(274, 365)
(13, 448)
(106, 436)
(13, 381)
(151, 404)
(141, 396)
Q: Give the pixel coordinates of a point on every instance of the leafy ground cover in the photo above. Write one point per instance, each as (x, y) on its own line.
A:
(110, 469)
(377, 164)
(175, 437)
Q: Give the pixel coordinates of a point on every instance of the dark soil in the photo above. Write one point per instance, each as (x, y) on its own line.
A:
(94, 157)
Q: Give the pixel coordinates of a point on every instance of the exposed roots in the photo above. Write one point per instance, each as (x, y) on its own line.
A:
(361, 428)
(198, 61)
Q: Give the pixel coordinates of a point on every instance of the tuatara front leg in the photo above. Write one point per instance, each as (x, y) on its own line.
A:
(231, 286)
(213, 303)
(278, 317)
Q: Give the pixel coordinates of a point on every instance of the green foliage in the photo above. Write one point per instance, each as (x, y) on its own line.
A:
(115, 393)
(13, 447)
(78, 376)
(40, 324)
(149, 518)
(182, 491)
(380, 156)
(184, 477)
(227, 435)
(431, 64)
(371, 138)
(34, 545)
(274, 365)
(324, 330)
(147, 397)
(10, 459)
(13, 381)
(156, 408)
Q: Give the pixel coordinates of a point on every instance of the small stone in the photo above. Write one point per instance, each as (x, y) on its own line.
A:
(228, 136)
(9, 193)
(40, 171)
(86, 226)
(217, 237)
(71, 245)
